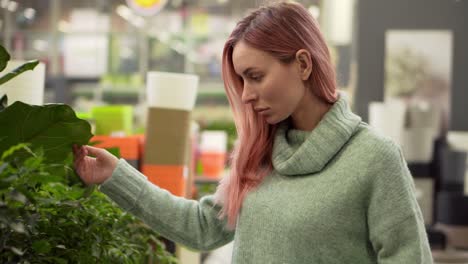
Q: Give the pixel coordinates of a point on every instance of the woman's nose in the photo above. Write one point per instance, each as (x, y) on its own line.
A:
(248, 95)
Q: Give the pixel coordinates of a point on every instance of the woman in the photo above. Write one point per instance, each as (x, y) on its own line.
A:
(309, 182)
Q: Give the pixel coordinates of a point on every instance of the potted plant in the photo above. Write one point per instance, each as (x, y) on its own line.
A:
(47, 215)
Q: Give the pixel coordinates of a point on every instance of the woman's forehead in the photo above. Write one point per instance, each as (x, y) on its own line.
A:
(245, 56)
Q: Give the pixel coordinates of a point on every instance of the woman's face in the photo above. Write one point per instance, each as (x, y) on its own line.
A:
(274, 89)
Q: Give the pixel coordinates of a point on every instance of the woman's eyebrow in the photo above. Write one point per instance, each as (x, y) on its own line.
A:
(248, 70)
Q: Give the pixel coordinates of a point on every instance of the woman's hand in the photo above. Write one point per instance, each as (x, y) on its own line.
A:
(94, 170)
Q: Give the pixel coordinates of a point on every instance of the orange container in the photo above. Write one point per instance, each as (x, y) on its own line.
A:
(213, 164)
(167, 177)
(129, 146)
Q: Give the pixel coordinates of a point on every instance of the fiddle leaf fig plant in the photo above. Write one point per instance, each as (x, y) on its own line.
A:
(47, 215)
(54, 128)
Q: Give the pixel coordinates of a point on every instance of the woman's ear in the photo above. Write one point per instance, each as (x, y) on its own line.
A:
(304, 61)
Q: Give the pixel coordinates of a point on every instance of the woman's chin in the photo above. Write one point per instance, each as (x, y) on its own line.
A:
(272, 120)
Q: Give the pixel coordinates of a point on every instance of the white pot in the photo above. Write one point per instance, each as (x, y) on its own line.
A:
(388, 118)
(171, 90)
(458, 140)
(27, 87)
(417, 144)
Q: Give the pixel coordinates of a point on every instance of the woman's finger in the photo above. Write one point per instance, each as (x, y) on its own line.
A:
(94, 151)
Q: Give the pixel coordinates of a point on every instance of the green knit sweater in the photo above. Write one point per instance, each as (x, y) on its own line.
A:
(338, 194)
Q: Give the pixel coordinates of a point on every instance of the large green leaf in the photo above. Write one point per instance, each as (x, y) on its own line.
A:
(30, 65)
(4, 58)
(53, 127)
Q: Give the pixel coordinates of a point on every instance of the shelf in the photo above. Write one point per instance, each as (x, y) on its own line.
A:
(210, 96)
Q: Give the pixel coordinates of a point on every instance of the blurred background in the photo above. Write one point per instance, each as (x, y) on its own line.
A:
(402, 64)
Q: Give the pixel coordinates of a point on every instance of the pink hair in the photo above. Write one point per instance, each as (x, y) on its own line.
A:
(280, 29)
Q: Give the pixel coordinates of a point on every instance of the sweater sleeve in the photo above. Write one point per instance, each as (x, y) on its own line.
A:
(396, 227)
(188, 222)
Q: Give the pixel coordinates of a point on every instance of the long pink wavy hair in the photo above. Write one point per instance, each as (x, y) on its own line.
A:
(281, 29)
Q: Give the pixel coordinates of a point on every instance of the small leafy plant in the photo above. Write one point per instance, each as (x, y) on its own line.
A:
(47, 216)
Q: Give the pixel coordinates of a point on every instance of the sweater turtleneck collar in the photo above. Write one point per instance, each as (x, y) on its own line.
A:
(298, 152)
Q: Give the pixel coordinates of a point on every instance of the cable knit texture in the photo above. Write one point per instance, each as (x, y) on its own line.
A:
(338, 194)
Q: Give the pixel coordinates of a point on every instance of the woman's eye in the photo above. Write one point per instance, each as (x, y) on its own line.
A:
(256, 78)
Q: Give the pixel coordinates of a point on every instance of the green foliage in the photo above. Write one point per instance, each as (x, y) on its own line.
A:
(54, 128)
(46, 217)
(204, 189)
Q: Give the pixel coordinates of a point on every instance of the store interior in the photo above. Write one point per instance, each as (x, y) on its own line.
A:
(401, 65)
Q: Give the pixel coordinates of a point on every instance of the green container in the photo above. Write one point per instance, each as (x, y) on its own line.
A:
(113, 119)
(84, 115)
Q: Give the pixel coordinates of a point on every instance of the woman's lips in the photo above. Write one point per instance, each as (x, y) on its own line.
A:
(261, 110)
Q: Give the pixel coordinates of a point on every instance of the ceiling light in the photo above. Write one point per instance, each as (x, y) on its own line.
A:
(29, 13)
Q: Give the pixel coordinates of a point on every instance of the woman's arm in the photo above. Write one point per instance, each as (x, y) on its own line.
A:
(188, 222)
(396, 226)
